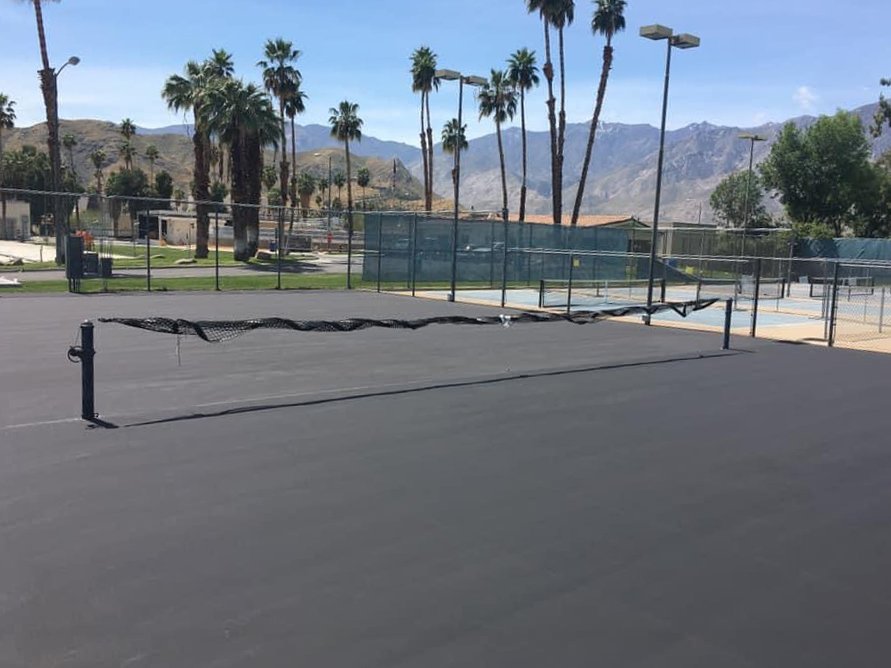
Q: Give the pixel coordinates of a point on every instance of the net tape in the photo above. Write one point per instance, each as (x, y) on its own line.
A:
(217, 331)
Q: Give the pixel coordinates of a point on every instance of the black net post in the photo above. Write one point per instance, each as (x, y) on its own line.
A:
(148, 253)
(279, 229)
(84, 355)
(728, 319)
(833, 308)
(755, 298)
(350, 250)
(216, 262)
(504, 216)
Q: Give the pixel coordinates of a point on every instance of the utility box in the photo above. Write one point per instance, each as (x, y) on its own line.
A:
(74, 258)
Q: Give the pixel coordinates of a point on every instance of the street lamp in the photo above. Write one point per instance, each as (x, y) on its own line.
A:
(452, 75)
(752, 138)
(681, 41)
(50, 80)
(328, 215)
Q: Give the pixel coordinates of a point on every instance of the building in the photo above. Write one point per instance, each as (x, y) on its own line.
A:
(16, 226)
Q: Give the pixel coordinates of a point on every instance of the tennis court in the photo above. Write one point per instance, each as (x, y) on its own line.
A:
(540, 494)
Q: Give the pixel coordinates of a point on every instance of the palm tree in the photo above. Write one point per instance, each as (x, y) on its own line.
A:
(306, 186)
(423, 71)
(608, 20)
(454, 140)
(127, 151)
(523, 74)
(244, 118)
(69, 141)
(190, 92)
(498, 100)
(7, 122)
(98, 157)
(295, 104)
(347, 126)
(363, 178)
(559, 14)
(127, 129)
(151, 153)
(339, 179)
(281, 79)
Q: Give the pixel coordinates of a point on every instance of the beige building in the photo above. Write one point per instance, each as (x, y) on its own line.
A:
(16, 226)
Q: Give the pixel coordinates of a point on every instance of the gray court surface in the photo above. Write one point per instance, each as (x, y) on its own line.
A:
(542, 495)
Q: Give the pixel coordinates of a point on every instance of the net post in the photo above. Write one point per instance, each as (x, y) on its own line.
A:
(350, 248)
(569, 287)
(504, 216)
(728, 319)
(833, 309)
(148, 252)
(279, 234)
(662, 289)
(755, 299)
(541, 292)
(414, 254)
(216, 262)
(84, 355)
(380, 247)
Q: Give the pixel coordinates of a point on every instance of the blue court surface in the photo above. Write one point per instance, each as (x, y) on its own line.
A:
(538, 495)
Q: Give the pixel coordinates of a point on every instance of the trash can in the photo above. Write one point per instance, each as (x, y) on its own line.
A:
(105, 266)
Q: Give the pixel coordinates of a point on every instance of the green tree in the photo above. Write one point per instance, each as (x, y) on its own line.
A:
(128, 184)
(69, 141)
(424, 81)
(7, 122)
(270, 178)
(152, 155)
(339, 179)
(523, 74)
(822, 174)
(282, 80)
(557, 14)
(728, 201)
(218, 193)
(294, 104)
(243, 117)
(363, 178)
(609, 19)
(190, 92)
(347, 126)
(454, 139)
(127, 129)
(98, 158)
(163, 188)
(127, 152)
(883, 113)
(498, 100)
(306, 186)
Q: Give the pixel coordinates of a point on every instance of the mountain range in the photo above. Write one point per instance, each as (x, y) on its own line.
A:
(621, 179)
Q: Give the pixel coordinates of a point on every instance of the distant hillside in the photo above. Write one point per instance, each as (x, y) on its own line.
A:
(175, 148)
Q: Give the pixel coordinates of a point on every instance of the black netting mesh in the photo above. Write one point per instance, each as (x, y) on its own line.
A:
(216, 331)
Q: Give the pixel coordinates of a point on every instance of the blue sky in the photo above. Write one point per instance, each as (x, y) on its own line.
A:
(760, 60)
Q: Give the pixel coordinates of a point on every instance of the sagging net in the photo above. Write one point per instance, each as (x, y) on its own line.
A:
(217, 331)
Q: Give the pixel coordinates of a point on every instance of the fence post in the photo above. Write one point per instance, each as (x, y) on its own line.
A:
(833, 309)
(414, 255)
(148, 252)
(380, 247)
(882, 311)
(504, 215)
(728, 319)
(216, 262)
(569, 289)
(350, 249)
(84, 355)
(279, 237)
(755, 298)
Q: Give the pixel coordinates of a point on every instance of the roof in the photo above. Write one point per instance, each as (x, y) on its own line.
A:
(588, 220)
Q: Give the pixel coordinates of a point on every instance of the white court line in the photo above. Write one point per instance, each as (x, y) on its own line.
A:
(25, 425)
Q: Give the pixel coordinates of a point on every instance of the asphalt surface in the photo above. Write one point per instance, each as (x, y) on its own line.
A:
(541, 495)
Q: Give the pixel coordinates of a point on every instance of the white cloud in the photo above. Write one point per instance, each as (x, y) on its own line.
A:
(805, 98)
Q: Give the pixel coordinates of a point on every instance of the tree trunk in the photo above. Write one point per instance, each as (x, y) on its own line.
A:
(523, 131)
(293, 161)
(426, 157)
(349, 191)
(430, 160)
(503, 172)
(552, 123)
(201, 177)
(561, 132)
(2, 194)
(592, 131)
(284, 165)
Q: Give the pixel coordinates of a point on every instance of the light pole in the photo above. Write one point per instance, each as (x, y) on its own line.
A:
(328, 188)
(50, 79)
(752, 138)
(681, 41)
(452, 75)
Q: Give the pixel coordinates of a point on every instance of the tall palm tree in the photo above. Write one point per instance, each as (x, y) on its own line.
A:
(244, 118)
(424, 81)
(363, 178)
(294, 104)
(98, 157)
(523, 74)
(189, 92)
(557, 14)
(69, 141)
(347, 126)
(498, 100)
(339, 179)
(152, 155)
(608, 20)
(281, 79)
(127, 151)
(7, 122)
(454, 139)
(127, 129)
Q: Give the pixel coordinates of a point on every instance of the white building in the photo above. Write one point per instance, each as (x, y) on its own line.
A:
(16, 226)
